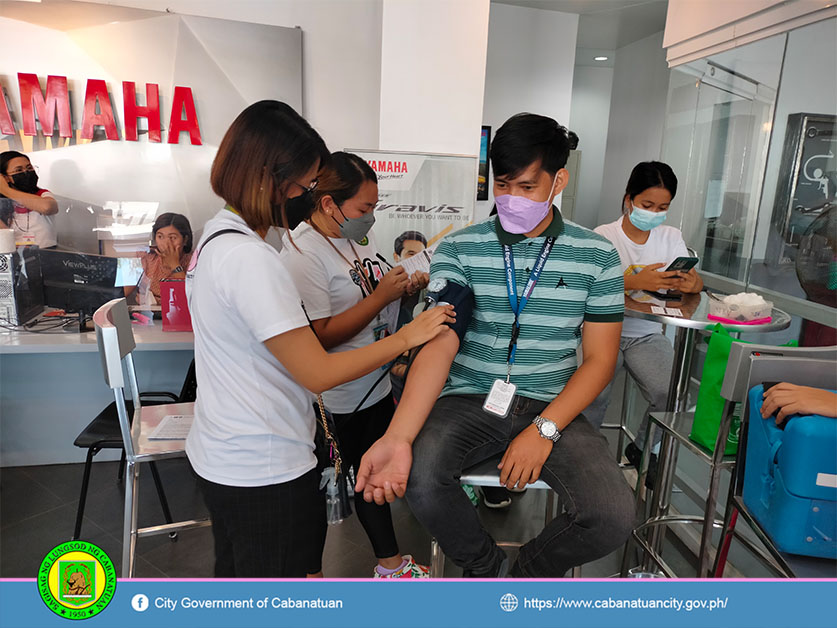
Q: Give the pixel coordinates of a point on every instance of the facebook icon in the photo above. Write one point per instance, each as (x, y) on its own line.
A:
(139, 602)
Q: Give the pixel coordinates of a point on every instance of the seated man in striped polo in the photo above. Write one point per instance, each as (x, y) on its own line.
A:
(509, 383)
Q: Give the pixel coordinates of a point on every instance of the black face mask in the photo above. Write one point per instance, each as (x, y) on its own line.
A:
(26, 181)
(297, 210)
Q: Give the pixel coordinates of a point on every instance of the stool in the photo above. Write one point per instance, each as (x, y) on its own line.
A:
(622, 426)
(486, 473)
(676, 427)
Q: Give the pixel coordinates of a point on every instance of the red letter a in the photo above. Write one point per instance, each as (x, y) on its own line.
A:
(183, 99)
(97, 90)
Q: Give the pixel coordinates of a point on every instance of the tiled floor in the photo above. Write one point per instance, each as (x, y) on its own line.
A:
(38, 508)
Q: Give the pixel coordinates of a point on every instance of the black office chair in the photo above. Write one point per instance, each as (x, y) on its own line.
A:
(103, 433)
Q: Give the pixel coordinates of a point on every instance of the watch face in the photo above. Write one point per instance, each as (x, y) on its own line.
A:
(437, 285)
(548, 429)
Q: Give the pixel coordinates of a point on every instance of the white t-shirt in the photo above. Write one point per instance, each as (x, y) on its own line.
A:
(330, 286)
(254, 424)
(32, 227)
(663, 246)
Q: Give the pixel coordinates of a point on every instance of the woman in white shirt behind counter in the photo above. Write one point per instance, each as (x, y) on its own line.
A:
(252, 442)
(353, 297)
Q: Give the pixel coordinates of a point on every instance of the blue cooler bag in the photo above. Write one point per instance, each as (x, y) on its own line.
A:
(790, 480)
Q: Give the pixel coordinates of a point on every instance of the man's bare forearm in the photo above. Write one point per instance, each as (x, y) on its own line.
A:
(425, 380)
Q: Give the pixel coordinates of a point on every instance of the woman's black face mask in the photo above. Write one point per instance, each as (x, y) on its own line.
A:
(297, 210)
(26, 181)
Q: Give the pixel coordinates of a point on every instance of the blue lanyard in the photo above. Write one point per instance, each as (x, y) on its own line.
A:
(511, 284)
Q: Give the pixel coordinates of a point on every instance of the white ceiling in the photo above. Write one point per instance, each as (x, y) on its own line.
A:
(65, 15)
(607, 24)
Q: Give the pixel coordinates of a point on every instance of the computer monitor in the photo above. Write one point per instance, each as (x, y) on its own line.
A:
(78, 282)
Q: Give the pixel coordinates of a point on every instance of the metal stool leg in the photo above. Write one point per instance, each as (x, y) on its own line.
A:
(437, 560)
(709, 516)
(129, 523)
(623, 420)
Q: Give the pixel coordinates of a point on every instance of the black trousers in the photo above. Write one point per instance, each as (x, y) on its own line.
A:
(356, 434)
(266, 531)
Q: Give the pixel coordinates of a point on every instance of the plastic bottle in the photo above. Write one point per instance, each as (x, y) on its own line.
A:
(328, 481)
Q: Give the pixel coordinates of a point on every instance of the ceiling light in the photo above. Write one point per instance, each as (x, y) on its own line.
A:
(599, 58)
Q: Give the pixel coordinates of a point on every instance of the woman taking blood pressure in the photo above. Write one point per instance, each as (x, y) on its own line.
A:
(252, 441)
(353, 296)
(646, 247)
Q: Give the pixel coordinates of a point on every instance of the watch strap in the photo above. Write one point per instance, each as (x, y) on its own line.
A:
(539, 421)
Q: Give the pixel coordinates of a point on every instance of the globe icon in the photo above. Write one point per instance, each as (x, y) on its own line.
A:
(508, 602)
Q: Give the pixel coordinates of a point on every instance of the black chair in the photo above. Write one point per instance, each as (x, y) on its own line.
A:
(103, 433)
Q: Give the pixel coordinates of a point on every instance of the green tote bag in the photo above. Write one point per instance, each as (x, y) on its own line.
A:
(710, 404)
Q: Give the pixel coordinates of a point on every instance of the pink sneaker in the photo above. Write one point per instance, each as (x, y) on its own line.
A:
(410, 569)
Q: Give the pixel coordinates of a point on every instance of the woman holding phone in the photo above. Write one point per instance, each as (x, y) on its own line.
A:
(646, 248)
(257, 360)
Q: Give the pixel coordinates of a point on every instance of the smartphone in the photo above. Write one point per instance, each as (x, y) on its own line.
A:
(665, 296)
(684, 264)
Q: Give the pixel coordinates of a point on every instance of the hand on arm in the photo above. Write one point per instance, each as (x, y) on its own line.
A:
(45, 205)
(385, 467)
(309, 364)
(526, 454)
(649, 278)
(791, 399)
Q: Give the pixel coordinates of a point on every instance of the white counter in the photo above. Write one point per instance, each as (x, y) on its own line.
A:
(147, 337)
(52, 386)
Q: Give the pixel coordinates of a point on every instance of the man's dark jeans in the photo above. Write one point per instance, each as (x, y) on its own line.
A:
(598, 506)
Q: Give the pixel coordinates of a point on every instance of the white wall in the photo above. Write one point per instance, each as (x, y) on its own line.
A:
(591, 98)
(806, 87)
(341, 57)
(531, 57)
(637, 118)
(433, 75)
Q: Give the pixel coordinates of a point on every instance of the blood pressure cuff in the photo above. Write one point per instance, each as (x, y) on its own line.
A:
(442, 291)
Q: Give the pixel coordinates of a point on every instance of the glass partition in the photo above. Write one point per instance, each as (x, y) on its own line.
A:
(752, 135)
(716, 138)
(794, 256)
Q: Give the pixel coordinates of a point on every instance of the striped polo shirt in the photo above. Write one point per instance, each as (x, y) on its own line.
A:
(581, 281)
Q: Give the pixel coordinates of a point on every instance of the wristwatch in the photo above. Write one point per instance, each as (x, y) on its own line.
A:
(547, 428)
(177, 269)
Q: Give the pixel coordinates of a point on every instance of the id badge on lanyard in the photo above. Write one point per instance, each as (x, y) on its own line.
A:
(499, 399)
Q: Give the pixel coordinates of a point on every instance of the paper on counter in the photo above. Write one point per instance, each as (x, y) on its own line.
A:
(173, 427)
(666, 311)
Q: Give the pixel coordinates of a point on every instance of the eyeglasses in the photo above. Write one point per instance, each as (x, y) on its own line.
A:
(308, 188)
(27, 168)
